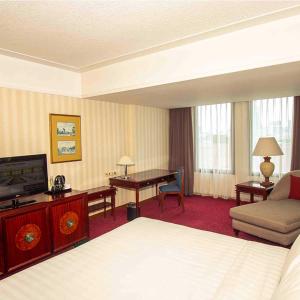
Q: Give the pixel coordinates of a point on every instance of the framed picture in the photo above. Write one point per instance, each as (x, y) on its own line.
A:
(65, 135)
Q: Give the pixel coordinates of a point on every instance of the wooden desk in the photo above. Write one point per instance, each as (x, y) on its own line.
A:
(252, 188)
(140, 180)
(102, 193)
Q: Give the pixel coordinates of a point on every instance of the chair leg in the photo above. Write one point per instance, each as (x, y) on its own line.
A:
(182, 201)
(179, 199)
(161, 200)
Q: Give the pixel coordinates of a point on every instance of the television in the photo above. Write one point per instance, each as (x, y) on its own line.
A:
(23, 175)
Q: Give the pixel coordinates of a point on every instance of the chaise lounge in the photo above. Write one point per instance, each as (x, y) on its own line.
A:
(276, 219)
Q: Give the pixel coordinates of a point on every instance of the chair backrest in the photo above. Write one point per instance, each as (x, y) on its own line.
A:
(282, 188)
(180, 178)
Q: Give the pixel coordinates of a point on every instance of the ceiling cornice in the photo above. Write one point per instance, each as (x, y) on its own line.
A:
(258, 20)
(38, 60)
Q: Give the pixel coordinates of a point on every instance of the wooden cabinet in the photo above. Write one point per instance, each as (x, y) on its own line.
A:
(37, 231)
(26, 237)
(69, 222)
(1, 251)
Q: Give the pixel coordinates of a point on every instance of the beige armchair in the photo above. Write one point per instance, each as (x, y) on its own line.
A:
(277, 219)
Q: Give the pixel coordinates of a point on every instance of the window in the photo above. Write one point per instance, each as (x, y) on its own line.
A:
(214, 138)
(273, 117)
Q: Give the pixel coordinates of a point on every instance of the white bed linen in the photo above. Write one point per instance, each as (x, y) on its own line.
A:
(150, 259)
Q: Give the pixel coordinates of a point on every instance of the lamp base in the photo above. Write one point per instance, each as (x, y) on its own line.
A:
(267, 169)
(266, 183)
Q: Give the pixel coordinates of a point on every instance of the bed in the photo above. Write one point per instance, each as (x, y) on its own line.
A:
(151, 259)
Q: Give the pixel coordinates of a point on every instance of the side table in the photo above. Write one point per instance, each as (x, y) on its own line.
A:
(252, 188)
(99, 193)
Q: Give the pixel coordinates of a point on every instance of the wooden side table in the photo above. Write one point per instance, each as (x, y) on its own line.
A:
(99, 193)
(252, 188)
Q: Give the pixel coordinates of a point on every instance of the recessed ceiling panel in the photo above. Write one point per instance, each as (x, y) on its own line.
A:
(79, 34)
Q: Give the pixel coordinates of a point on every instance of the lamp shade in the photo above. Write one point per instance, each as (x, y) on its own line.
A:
(125, 161)
(267, 146)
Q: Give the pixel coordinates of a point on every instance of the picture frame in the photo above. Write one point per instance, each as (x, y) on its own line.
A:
(65, 138)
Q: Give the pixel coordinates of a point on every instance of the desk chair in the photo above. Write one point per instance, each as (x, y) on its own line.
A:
(173, 188)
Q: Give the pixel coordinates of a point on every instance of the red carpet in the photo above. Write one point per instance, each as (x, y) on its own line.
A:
(204, 213)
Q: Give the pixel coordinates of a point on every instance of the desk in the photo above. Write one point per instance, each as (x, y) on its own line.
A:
(252, 188)
(140, 180)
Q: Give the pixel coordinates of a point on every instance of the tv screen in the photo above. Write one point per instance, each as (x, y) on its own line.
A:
(23, 175)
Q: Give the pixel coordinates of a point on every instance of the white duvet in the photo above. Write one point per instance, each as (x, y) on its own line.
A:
(150, 259)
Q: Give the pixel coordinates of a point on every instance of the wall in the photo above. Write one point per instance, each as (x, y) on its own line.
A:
(109, 131)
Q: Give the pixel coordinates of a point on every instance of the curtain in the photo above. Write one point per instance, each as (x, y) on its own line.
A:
(273, 117)
(223, 184)
(295, 164)
(181, 146)
(214, 150)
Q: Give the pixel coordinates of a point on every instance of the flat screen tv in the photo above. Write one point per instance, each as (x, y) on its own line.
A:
(23, 175)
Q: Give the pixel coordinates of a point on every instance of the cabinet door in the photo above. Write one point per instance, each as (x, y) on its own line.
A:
(1, 250)
(69, 221)
(27, 237)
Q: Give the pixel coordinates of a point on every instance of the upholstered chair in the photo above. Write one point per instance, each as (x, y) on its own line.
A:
(173, 188)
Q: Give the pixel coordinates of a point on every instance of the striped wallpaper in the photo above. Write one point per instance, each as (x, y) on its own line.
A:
(109, 130)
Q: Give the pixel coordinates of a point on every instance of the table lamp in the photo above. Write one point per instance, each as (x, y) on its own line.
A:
(266, 147)
(125, 161)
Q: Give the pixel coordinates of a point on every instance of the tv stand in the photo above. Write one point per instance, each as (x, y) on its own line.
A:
(32, 232)
(15, 203)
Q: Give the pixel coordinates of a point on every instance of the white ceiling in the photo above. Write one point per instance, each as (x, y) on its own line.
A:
(268, 82)
(85, 34)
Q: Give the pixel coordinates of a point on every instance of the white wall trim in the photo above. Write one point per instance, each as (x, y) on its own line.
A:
(251, 48)
(20, 74)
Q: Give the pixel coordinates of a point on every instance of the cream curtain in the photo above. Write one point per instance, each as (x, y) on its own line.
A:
(214, 139)
(273, 117)
(221, 184)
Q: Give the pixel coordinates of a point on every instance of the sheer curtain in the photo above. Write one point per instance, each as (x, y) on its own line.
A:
(214, 144)
(273, 117)
(213, 174)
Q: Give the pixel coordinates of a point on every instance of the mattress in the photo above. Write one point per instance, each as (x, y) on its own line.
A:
(151, 259)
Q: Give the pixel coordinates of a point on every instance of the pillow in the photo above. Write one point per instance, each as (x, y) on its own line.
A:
(289, 286)
(293, 257)
(295, 188)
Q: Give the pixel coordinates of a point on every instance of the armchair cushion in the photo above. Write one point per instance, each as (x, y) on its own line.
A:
(282, 188)
(281, 216)
(295, 188)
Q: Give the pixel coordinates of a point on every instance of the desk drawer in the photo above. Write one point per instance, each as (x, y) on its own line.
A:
(99, 195)
(147, 183)
(95, 196)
